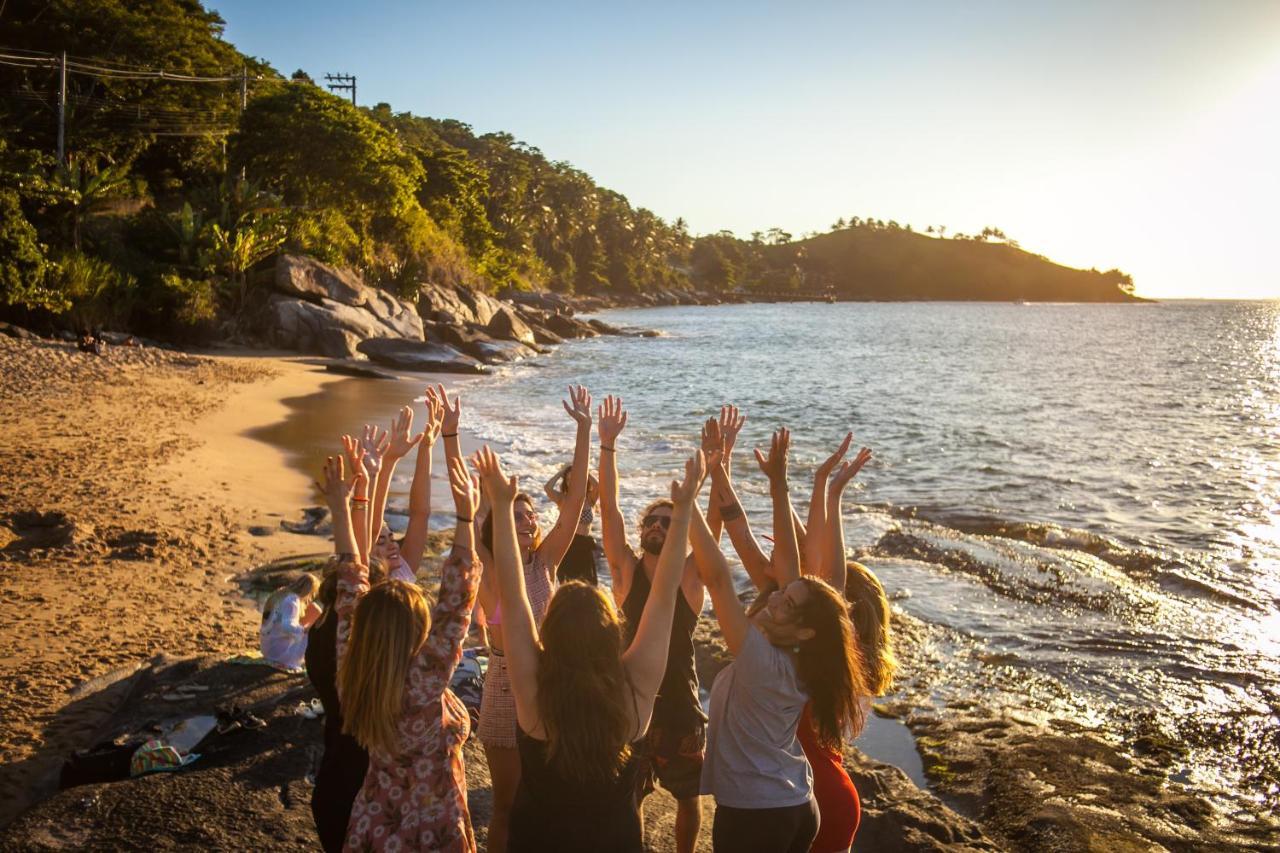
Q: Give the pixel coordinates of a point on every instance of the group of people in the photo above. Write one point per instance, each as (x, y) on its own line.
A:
(591, 696)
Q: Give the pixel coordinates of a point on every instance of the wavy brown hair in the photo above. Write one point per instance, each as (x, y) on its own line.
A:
(583, 689)
(388, 628)
(830, 663)
(869, 610)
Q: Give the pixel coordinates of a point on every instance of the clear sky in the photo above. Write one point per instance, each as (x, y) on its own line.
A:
(1142, 134)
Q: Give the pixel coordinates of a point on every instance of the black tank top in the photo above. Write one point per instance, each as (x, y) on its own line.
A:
(554, 813)
(678, 704)
(579, 563)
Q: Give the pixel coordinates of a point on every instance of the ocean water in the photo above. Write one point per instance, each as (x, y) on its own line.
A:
(1080, 503)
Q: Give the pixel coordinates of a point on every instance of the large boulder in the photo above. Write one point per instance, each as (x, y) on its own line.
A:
(570, 327)
(483, 306)
(296, 324)
(477, 343)
(506, 325)
(496, 352)
(442, 303)
(419, 355)
(299, 275)
(400, 317)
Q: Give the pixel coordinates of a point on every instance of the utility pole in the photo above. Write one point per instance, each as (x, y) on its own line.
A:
(342, 81)
(244, 87)
(62, 110)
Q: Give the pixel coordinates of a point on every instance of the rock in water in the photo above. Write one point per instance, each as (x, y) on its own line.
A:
(419, 355)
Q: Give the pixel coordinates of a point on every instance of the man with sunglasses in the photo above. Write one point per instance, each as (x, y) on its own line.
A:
(673, 749)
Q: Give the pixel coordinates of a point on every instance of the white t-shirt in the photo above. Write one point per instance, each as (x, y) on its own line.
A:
(753, 759)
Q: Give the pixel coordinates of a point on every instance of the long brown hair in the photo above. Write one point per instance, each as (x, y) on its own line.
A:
(869, 610)
(583, 689)
(830, 663)
(388, 628)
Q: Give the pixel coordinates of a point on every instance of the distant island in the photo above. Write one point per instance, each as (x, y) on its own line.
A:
(156, 189)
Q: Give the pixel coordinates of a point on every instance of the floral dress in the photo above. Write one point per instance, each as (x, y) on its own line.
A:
(416, 798)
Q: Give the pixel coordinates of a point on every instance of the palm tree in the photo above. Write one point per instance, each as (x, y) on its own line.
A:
(84, 189)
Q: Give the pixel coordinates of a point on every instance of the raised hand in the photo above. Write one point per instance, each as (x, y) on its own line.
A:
(579, 405)
(612, 420)
(400, 438)
(466, 490)
(374, 441)
(684, 492)
(824, 470)
(451, 412)
(355, 453)
(337, 491)
(712, 440)
(435, 417)
(774, 465)
(731, 421)
(500, 488)
(849, 470)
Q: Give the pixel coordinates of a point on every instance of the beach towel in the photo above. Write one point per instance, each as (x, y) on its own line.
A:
(155, 756)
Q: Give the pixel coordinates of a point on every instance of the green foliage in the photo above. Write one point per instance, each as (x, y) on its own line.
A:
(95, 293)
(318, 151)
(22, 261)
(323, 234)
(194, 300)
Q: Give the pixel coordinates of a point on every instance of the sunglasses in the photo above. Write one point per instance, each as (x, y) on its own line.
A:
(663, 520)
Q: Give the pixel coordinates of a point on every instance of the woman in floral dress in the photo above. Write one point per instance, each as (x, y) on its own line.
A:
(396, 663)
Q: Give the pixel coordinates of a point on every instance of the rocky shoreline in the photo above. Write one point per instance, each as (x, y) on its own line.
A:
(114, 590)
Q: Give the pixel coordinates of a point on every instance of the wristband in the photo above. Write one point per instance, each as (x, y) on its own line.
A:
(610, 449)
(731, 512)
(464, 518)
(448, 435)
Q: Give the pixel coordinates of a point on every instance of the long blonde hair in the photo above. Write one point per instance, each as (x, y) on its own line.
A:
(388, 628)
(869, 610)
(583, 689)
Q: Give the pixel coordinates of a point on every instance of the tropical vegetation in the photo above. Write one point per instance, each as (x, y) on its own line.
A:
(173, 193)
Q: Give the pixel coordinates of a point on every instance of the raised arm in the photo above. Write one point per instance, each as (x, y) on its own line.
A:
(353, 573)
(415, 535)
(835, 517)
(786, 547)
(754, 560)
(646, 658)
(519, 633)
(358, 514)
(714, 570)
(816, 544)
(557, 542)
(459, 578)
(551, 489)
(613, 530)
(375, 441)
(723, 438)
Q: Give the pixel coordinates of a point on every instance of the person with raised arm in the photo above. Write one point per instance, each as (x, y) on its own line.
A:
(794, 647)
(584, 698)
(344, 761)
(396, 660)
(404, 557)
(672, 752)
(579, 564)
(541, 556)
(839, 806)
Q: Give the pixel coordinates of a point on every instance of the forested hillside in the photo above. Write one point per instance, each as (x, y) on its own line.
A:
(173, 189)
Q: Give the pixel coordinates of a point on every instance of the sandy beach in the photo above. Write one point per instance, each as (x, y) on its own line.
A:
(138, 486)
